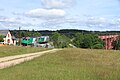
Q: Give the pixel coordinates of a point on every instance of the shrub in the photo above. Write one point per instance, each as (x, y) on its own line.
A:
(98, 46)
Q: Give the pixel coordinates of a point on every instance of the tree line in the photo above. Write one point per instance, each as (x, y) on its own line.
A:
(25, 33)
(88, 41)
(79, 38)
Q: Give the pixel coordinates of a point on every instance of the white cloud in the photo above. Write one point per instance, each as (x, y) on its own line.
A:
(10, 20)
(13, 23)
(96, 22)
(57, 3)
(1, 9)
(46, 13)
(74, 22)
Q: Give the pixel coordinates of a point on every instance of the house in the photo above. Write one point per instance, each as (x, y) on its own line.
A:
(108, 39)
(9, 39)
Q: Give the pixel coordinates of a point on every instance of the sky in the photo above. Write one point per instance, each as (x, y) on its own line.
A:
(92, 15)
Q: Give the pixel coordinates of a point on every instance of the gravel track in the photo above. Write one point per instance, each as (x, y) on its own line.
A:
(9, 61)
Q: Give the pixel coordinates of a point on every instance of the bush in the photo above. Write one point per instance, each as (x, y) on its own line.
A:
(1, 38)
(98, 46)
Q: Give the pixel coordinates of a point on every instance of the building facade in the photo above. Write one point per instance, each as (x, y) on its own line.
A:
(108, 39)
(9, 39)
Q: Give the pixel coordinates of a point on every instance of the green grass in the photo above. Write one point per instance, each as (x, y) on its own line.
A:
(68, 64)
(11, 50)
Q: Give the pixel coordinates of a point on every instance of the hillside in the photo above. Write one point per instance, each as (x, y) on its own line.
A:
(68, 64)
(68, 32)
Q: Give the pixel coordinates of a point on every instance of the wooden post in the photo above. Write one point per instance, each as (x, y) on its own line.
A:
(19, 37)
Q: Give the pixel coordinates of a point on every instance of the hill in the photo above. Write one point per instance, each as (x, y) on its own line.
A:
(67, 32)
(68, 64)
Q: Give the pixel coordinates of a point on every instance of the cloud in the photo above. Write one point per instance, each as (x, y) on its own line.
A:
(1, 9)
(88, 23)
(46, 13)
(13, 23)
(67, 22)
(57, 3)
(17, 13)
(10, 20)
(97, 23)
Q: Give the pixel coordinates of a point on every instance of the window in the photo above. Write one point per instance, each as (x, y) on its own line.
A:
(8, 41)
(8, 35)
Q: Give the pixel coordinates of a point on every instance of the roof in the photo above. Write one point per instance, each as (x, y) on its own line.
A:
(13, 37)
(26, 37)
(3, 32)
(107, 36)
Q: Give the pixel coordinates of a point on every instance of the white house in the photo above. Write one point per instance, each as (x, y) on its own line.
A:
(8, 37)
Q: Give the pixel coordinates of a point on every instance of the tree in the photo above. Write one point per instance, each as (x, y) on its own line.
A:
(36, 34)
(87, 40)
(59, 41)
(97, 43)
(1, 38)
(78, 39)
(116, 43)
(98, 46)
(63, 41)
(55, 38)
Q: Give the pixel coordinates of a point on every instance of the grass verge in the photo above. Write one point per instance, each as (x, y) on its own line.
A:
(11, 50)
(68, 64)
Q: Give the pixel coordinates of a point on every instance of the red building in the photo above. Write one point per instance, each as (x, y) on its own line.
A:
(108, 39)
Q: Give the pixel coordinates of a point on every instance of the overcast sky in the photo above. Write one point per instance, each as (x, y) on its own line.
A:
(95, 15)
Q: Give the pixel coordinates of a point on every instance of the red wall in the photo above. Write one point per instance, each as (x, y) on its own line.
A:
(108, 39)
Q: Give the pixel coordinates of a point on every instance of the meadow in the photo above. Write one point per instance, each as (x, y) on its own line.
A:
(68, 64)
(11, 50)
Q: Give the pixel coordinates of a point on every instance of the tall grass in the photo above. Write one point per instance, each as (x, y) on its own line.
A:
(11, 50)
(68, 64)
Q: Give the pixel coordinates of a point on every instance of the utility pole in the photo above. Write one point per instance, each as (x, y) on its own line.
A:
(19, 37)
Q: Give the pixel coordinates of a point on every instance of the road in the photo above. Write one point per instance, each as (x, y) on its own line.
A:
(9, 61)
(72, 46)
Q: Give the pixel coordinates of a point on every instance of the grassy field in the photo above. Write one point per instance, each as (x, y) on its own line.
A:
(11, 50)
(68, 64)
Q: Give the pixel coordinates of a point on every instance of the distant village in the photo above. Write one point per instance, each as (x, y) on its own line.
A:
(10, 39)
(60, 39)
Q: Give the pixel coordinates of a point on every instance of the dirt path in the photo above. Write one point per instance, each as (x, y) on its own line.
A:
(17, 59)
